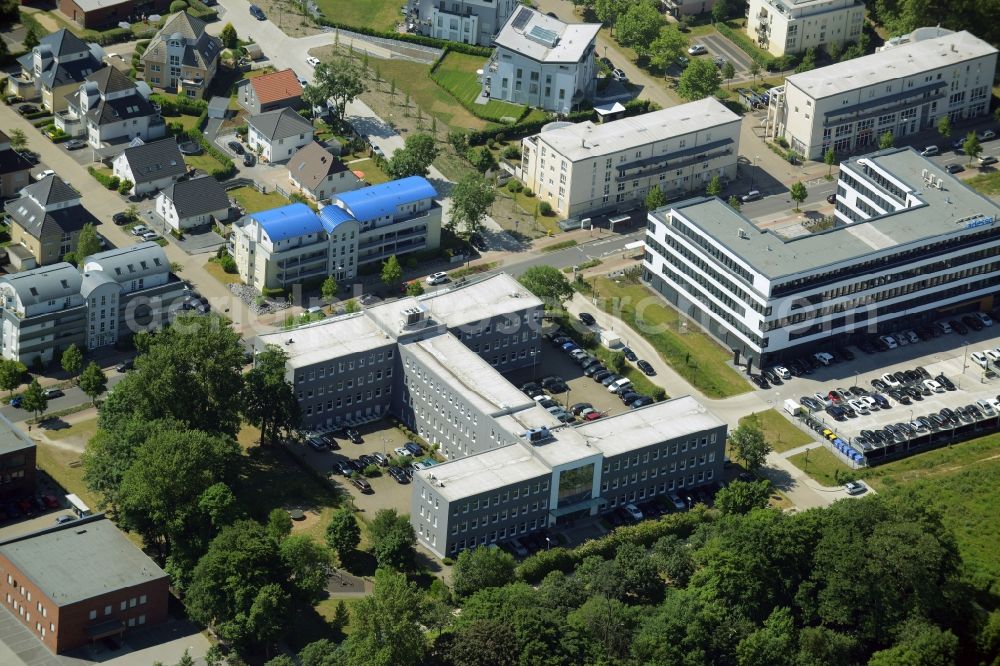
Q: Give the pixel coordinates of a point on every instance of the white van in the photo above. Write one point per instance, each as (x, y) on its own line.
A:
(792, 407)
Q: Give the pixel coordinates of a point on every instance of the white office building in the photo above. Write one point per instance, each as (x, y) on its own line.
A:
(913, 245)
(466, 21)
(792, 26)
(904, 90)
(586, 168)
(542, 62)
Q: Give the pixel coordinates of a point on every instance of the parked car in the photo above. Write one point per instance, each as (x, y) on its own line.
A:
(577, 408)
(954, 168)
(986, 135)
(44, 174)
(782, 372)
(362, 485)
(633, 512)
(53, 393)
(987, 160)
(437, 278)
(312, 61)
(646, 368)
(752, 195)
(139, 230)
(629, 354)
(929, 151)
(697, 49)
(618, 75)
(75, 144)
(257, 13)
(249, 160)
(150, 236)
(236, 146)
(414, 449)
(399, 475)
(587, 319)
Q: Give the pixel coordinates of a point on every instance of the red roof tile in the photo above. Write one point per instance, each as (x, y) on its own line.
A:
(276, 86)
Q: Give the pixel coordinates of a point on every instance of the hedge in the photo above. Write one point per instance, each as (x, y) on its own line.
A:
(228, 168)
(524, 128)
(468, 49)
(179, 105)
(202, 11)
(533, 569)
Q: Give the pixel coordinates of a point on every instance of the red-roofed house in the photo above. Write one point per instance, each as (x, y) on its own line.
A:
(270, 92)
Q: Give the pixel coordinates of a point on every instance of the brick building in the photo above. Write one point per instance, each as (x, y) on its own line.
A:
(79, 582)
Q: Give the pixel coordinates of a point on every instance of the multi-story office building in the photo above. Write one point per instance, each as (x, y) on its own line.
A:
(903, 90)
(121, 291)
(80, 582)
(352, 368)
(913, 244)
(543, 473)
(586, 168)
(17, 462)
(792, 26)
(435, 362)
(284, 246)
(542, 62)
(466, 21)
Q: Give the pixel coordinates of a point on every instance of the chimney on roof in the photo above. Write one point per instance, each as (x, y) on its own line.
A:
(583, 142)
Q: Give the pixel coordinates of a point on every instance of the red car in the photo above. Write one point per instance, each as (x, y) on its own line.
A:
(50, 501)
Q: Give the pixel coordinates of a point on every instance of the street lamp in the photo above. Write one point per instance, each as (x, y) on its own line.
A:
(548, 541)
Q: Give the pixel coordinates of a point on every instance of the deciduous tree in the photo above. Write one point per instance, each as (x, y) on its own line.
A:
(749, 445)
(268, 398)
(971, 146)
(392, 273)
(944, 126)
(343, 533)
(18, 139)
(340, 80)
(229, 38)
(743, 497)
(886, 140)
(798, 193)
(279, 524)
(33, 399)
(655, 198)
(72, 360)
(329, 288)
(386, 626)
(830, 158)
(93, 382)
(392, 540)
(639, 26)
(700, 79)
(667, 48)
(480, 568)
(547, 283)
(308, 564)
(11, 374)
(714, 187)
(87, 243)
(414, 158)
(471, 198)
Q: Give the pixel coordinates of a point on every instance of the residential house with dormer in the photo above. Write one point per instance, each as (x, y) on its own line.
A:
(108, 109)
(182, 57)
(317, 173)
(150, 166)
(276, 135)
(46, 221)
(54, 68)
(15, 169)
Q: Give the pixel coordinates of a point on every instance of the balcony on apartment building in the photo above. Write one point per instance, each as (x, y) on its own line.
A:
(657, 164)
(393, 236)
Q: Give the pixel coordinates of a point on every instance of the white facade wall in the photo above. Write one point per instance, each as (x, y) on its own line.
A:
(546, 85)
(783, 27)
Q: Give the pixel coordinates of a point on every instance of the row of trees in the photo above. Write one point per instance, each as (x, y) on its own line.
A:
(874, 581)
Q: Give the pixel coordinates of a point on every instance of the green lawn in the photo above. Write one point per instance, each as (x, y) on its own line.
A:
(986, 183)
(959, 481)
(205, 162)
(692, 354)
(778, 431)
(215, 270)
(457, 74)
(376, 14)
(373, 173)
(254, 201)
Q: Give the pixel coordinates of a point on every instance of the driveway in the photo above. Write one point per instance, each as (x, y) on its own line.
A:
(719, 45)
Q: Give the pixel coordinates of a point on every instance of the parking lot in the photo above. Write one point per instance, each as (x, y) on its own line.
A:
(719, 45)
(950, 355)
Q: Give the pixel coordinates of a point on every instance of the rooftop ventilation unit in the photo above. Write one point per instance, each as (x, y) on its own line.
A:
(742, 234)
(412, 316)
(537, 435)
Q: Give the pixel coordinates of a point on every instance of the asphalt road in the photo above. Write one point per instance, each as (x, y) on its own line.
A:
(73, 397)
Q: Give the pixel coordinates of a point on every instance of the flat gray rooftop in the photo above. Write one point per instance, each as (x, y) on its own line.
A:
(484, 472)
(12, 438)
(80, 560)
(327, 339)
(479, 301)
(776, 257)
(638, 428)
(895, 63)
(467, 374)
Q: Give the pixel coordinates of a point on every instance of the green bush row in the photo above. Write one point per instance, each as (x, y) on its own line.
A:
(468, 49)
(524, 128)
(201, 10)
(228, 168)
(533, 569)
(176, 106)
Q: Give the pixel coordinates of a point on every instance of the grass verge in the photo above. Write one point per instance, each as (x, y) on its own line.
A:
(779, 433)
(692, 354)
(373, 174)
(562, 245)
(63, 465)
(254, 201)
(986, 183)
(473, 270)
(376, 14)
(215, 270)
(457, 74)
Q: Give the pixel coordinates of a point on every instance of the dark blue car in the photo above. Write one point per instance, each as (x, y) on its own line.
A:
(15, 401)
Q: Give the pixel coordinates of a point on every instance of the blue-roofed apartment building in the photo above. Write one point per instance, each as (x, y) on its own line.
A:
(276, 248)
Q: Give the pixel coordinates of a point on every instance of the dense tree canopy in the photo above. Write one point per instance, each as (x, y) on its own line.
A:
(548, 284)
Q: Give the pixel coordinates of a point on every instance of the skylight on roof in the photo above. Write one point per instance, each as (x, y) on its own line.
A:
(543, 36)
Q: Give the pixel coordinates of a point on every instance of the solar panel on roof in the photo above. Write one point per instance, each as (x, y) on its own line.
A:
(522, 18)
(544, 36)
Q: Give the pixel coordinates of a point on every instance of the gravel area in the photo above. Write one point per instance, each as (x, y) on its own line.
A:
(249, 295)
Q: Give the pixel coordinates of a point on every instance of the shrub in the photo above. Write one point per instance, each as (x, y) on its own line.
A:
(533, 569)
(102, 178)
(545, 208)
(179, 235)
(528, 193)
(114, 183)
(228, 264)
(178, 6)
(514, 186)
(512, 152)
(372, 471)
(447, 561)
(271, 292)
(124, 186)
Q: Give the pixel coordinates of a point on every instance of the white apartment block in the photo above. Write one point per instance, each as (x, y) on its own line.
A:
(542, 62)
(586, 168)
(914, 244)
(903, 90)
(466, 21)
(283, 246)
(792, 26)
